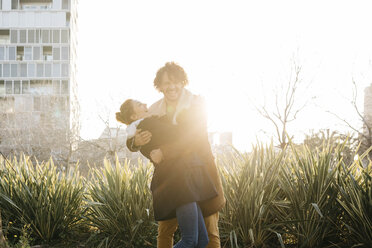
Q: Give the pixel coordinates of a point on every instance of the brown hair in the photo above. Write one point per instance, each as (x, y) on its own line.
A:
(126, 110)
(174, 71)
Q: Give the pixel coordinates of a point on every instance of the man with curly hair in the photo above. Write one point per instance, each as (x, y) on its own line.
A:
(171, 80)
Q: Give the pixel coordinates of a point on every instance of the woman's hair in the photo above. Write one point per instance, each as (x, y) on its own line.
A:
(126, 110)
(174, 71)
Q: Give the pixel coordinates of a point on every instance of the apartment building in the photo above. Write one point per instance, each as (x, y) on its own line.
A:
(38, 98)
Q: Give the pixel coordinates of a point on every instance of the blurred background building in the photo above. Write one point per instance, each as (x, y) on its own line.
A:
(38, 97)
(221, 142)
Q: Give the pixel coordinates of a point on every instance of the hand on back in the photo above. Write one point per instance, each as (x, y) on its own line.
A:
(141, 138)
(156, 156)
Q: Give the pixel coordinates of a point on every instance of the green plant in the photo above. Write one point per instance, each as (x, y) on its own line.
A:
(355, 186)
(251, 189)
(307, 180)
(41, 196)
(120, 206)
(24, 240)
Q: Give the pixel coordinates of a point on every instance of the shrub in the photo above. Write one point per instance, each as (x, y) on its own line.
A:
(251, 189)
(355, 186)
(120, 206)
(41, 196)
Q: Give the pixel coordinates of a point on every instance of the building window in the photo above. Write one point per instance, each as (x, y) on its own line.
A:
(25, 87)
(68, 19)
(28, 53)
(37, 36)
(56, 38)
(17, 87)
(36, 86)
(14, 4)
(48, 70)
(47, 53)
(40, 70)
(31, 36)
(2, 87)
(56, 87)
(23, 70)
(12, 53)
(4, 36)
(48, 87)
(45, 36)
(2, 53)
(31, 70)
(1, 70)
(56, 53)
(36, 53)
(13, 36)
(64, 51)
(20, 53)
(64, 36)
(56, 70)
(65, 70)
(64, 87)
(8, 87)
(6, 70)
(65, 4)
(22, 36)
(14, 70)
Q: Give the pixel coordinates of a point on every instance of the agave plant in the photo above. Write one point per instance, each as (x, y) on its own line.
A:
(38, 195)
(355, 187)
(120, 205)
(308, 182)
(251, 189)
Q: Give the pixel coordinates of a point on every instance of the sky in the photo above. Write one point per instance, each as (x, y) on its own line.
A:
(237, 54)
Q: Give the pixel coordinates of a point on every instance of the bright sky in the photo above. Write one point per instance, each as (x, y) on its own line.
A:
(236, 53)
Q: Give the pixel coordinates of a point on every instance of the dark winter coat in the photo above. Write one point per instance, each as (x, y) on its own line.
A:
(177, 181)
(188, 172)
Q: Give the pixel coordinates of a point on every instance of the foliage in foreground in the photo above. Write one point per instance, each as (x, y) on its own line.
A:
(250, 184)
(120, 206)
(40, 197)
(298, 197)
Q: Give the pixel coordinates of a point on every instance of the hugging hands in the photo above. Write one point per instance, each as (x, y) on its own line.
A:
(141, 138)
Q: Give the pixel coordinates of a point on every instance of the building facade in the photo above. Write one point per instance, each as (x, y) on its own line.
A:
(38, 98)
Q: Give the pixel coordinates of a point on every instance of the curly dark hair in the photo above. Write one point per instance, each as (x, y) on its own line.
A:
(174, 71)
(126, 110)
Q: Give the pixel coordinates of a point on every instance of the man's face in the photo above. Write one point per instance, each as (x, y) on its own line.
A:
(170, 87)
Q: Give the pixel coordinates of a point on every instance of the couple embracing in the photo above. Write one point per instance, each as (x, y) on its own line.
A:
(186, 186)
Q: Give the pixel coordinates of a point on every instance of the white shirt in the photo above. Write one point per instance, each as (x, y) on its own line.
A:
(132, 128)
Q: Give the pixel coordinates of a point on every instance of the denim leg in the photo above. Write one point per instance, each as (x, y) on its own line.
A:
(203, 234)
(187, 217)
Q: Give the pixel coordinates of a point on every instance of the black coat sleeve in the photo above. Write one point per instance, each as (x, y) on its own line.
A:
(131, 146)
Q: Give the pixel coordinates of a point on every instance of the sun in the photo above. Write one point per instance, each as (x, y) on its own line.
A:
(218, 112)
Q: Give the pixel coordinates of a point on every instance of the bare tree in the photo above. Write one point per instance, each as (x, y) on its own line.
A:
(364, 132)
(110, 145)
(39, 134)
(48, 134)
(286, 106)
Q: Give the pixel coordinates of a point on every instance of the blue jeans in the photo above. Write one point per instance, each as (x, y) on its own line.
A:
(191, 223)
